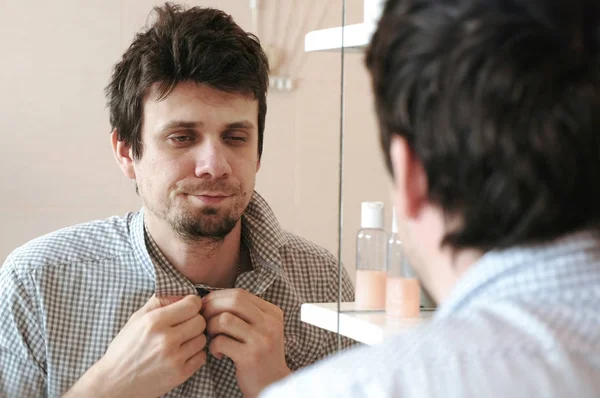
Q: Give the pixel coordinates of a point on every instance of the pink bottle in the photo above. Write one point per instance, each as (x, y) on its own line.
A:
(403, 288)
(371, 242)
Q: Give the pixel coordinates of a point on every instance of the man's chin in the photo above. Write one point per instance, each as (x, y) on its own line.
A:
(198, 231)
(206, 222)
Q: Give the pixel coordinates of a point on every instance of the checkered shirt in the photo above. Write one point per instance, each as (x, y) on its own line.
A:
(521, 323)
(66, 295)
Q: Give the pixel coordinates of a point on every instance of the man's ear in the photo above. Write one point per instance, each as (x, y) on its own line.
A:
(410, 179)
(123, 155)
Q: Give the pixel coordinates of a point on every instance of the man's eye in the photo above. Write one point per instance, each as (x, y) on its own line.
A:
(179, 139)
(236, 138)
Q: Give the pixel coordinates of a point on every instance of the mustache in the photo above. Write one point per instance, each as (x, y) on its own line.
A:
(221, 187)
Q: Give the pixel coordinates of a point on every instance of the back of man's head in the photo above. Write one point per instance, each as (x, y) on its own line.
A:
(500, 102)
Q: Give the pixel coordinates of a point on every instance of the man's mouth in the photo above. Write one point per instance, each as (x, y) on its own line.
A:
(212, 198)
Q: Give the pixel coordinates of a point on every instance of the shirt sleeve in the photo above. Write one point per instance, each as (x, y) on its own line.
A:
(22, 369)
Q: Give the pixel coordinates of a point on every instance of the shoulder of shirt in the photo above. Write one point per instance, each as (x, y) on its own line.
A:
(306, 247)
(439, 352)
(92, 241)
(314, 270)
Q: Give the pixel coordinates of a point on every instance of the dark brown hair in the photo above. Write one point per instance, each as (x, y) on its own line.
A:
(203, 45)
(500, 102)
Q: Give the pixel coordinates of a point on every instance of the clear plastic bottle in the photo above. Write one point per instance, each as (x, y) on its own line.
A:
(403, 287)
(371, 242)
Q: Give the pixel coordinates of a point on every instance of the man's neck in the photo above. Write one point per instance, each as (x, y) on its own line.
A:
(203, 261)
(445, 269)
(439, 267)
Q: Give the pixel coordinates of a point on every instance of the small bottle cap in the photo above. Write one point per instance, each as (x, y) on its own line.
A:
(371, 215)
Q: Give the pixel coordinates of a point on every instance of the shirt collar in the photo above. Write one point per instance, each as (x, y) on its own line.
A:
(525, 270)
(261, 233)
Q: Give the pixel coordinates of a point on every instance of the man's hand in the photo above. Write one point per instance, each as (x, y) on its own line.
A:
(248, 330)
(160, 347)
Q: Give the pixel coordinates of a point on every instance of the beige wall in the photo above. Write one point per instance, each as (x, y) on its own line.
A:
(56, 167)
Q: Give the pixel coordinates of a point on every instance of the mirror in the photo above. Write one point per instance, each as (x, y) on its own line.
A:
(57, 168)
(321, 157)
(364, 177)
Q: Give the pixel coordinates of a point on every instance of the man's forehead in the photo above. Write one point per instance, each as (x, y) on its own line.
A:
(161, 91)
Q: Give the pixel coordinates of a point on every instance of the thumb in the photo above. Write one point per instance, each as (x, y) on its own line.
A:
(157, 302)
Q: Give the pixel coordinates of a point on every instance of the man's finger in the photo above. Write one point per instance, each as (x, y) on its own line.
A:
(194, 346)
(229, 325)
(157, 302)
(226, 346)
(180, 311)
(242, 295)
(234, 304)
(194, 364)
(191, 328)
(168, 300)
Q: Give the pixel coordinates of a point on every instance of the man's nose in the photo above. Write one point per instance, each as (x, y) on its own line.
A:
(212, 162)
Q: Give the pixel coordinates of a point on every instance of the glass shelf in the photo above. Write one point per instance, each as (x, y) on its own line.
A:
(368, 327)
